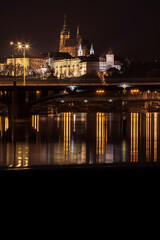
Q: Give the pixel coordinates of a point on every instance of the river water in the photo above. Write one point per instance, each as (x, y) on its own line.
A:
(80, 138)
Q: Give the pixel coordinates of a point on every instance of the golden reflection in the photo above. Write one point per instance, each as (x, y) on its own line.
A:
(100, 137)
(134, 137)
(67, 136)
(148, 136)
(1, 127)
(38, 94)
(35, 122)
(58, 119)
(51, 111)
(155, 136)
(4, 125)
(134, 91)
(124, 150)
(22, 155)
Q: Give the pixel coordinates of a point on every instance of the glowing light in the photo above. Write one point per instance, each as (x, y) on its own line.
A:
(100, 91)
(24, 47)
(134, 91)
(72, 88)
(11, 43)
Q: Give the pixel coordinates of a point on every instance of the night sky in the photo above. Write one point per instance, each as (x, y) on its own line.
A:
(130, 28)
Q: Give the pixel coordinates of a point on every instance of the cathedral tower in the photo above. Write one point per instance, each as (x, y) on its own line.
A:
(74, 46)
(65, 34)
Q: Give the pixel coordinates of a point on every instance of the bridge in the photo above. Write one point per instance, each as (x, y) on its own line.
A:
(61, 93)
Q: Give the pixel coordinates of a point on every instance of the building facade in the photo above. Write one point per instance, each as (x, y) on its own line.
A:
(75, 67)
(66, 68)
(110, 61)
(69, 66)
(2, 65)
(32, 63)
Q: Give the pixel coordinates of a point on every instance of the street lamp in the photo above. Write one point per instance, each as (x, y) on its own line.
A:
(23, 47)
(13, 55)
(20, 46)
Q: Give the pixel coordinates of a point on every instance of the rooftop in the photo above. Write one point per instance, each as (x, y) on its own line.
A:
(59, 55)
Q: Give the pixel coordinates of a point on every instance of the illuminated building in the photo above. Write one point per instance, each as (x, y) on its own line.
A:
(66, 66)
(36, 62)
(2, 65)
(75, 67)
(76, 57)
(32, 63)
(19, 62)
(108, 61)
(71, 45)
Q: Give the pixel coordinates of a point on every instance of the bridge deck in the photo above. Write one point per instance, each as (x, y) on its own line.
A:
(79, 82)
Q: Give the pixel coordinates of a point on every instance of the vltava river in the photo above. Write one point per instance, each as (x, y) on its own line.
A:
(80, 138)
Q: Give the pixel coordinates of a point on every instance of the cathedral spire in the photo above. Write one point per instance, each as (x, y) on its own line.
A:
(78, 33)
(65, 22)
(64, 34)
(78, 30)
(92, 50)
(80, 51)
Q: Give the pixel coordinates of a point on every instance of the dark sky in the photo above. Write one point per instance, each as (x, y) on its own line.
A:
(130, 28)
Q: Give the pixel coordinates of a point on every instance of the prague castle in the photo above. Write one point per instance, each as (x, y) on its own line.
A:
(75, 58)
(75, 47)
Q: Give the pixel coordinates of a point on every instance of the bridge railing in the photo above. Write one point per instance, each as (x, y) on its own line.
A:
(147, 95)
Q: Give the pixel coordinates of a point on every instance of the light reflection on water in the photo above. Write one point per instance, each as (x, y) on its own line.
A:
(80, 138)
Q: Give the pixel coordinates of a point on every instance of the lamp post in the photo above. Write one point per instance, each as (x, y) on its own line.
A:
(13, 54)
(23, 47)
